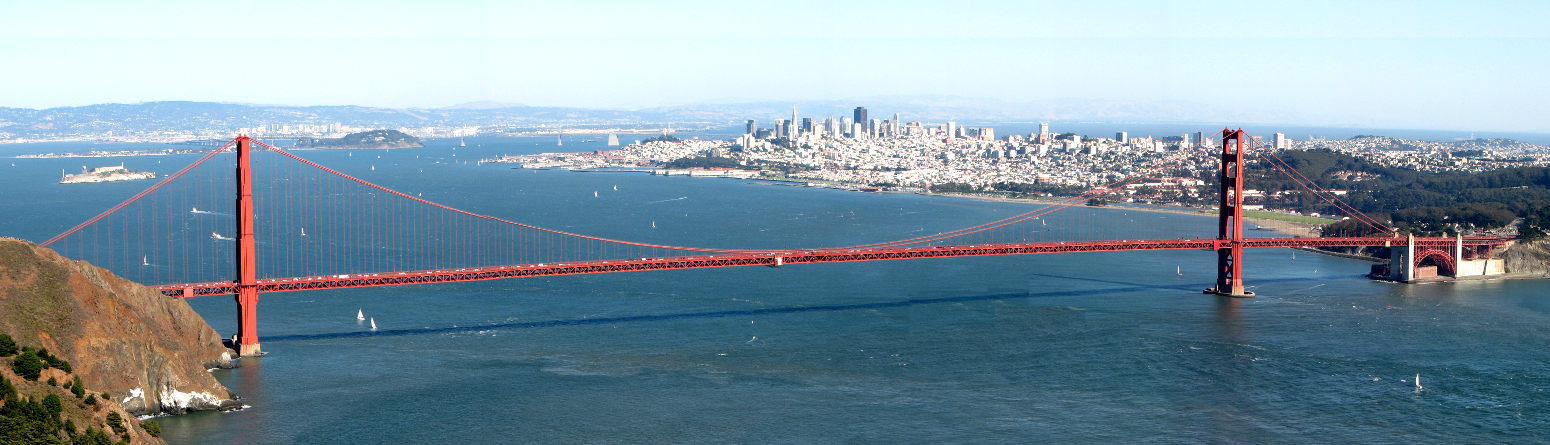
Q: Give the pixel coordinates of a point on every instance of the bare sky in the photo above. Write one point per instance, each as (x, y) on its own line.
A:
(1441, 65)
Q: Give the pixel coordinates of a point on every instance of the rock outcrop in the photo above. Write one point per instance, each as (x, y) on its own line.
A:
(149, 351)
(1528, 258)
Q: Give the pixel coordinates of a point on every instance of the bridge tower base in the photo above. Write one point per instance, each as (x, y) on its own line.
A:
(1229, 254)
(247, 257)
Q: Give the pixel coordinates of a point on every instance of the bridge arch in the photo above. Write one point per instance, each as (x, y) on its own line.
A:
(1441, 258)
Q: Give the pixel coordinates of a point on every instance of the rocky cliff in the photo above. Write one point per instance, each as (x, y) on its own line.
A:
(150, 351)
(1528, 258)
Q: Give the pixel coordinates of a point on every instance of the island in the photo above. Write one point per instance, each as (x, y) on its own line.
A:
(112, 173)
(374, 139)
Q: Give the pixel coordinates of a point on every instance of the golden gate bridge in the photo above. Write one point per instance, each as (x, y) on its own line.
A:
(364, 234)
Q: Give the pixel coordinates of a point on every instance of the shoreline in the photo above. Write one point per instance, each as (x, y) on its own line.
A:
(1290, 228)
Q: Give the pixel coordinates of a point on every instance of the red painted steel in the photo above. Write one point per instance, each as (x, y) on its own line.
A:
(776, 259)
(1229, 258)
(247, 258)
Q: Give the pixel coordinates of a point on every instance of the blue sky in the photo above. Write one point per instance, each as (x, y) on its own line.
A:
(1443, 65)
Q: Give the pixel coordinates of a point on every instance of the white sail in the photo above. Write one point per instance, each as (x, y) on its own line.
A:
(359, 315)
(373, 323)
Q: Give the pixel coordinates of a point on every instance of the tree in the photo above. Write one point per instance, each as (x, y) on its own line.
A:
(7, 345)
(77, 388)
(28, 365)
(117, 422)
(151, 427)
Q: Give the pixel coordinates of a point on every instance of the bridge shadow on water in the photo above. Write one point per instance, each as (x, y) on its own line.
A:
(647, 318)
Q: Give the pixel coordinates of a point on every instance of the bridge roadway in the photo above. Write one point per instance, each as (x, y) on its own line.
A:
(777, 258)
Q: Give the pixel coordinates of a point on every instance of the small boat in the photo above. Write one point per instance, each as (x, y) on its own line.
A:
(374, 168)
(616, 188)
(217, 236)
(594, 193)
(144, 261)
(653, 224)
(460, 143)
(373, 323)
(1179, 270)
(1418, 386)
(359, 315)
(303, 231)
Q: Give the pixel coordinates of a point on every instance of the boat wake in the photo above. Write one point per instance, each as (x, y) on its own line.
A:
(680, 198)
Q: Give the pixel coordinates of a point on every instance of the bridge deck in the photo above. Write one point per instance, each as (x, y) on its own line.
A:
(775, 258)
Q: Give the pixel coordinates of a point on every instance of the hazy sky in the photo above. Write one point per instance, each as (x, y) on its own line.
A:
(1444, 65)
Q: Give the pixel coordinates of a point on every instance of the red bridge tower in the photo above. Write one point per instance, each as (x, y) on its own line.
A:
(1229, 253)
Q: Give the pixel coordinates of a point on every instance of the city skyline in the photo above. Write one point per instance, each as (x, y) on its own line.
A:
(1386, 65)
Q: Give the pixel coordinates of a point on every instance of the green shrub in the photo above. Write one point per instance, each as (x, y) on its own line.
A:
(52, 382)
(51, 403)
(28, 365)
(117, 422)
(7, 345)
(151, 427)
(92, 436)
(76, 388)
(91, 399)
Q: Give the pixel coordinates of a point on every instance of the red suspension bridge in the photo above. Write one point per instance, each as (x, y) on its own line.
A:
(395, 238)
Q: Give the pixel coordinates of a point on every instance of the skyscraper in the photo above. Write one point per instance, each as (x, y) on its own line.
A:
(860, 118)
(797, 131)
(893, 125)
(752, 128)
(1043, 132)
(1122, 137)
(1281, 142)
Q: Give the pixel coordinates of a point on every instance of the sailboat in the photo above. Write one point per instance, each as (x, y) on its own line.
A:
(1179, 270)
(374, 168)
(594, 193)
(1418, 386)
(145, 261)
(616, 188)
(559, 141)
(359, 316)
(653, 224)
(460, 143)
(303, 231)
(373, 323)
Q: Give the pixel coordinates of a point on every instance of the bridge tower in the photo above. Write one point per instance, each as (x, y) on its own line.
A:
(1229, 253)
(247, 270)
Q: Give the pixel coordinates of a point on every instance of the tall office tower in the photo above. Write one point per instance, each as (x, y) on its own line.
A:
(1281, 142)
(893, 125)
(875, 129)
(1043, 132)
(1200, 138)
(857, 131)
(845, 124)
(751, 128)
(988, 134)
(833, 126)
(780, 128)
(1122, 137)
(1185, 143)
(807, 125)
(794, 113)
(952, 130)
(860, 118)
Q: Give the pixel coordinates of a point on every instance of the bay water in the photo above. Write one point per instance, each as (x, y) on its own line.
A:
(1093, 347)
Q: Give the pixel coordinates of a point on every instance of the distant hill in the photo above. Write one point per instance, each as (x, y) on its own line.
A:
(370, 139)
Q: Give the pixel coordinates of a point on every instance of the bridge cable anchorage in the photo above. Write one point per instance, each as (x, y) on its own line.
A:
(137, 196)
(1317, 191)
(1042, 211)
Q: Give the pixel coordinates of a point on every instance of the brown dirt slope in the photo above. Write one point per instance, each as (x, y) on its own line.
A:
(150, 351)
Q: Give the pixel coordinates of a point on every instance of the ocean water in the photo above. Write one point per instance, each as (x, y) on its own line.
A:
(1095, 347)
